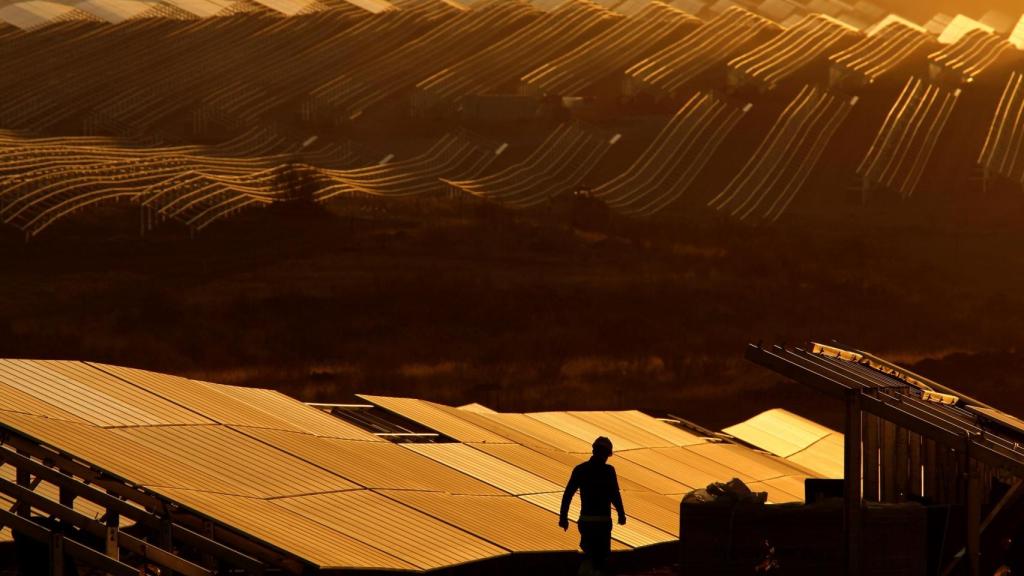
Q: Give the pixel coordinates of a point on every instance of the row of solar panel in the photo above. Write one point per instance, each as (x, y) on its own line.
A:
(334, 495)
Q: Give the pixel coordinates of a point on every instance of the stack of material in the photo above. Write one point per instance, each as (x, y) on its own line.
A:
(670, 70)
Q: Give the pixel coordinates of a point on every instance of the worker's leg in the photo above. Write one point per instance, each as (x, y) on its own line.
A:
(595, 540)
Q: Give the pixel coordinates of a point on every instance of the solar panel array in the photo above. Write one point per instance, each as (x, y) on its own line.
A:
(284, 85)
(330, 494)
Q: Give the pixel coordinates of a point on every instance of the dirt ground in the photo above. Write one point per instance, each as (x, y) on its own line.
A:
(462, 303)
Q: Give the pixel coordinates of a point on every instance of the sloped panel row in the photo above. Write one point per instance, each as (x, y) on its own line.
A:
(1003, 153)
(903, 146)
(624, 44)
(775, 174)
(878, 54)
(558, 166)
(251, 463)
(453, 156)
(668, 167)
(361, 85)
(713, 44)
(814, 37)
(506, 61)
(41, 183)
(970, 56)
(223, 71)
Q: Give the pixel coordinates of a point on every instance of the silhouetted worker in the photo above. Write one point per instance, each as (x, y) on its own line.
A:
(599, 490)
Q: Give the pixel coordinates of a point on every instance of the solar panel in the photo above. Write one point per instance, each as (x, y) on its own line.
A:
(163, 412)
(1017, 35)
(528, 459)
(615, 426)
(443, 419)
(15, 400)
(111, 405)
(674, 435)
(199, 397)
(687, 468)
(757, 465)
(824, 457)
(33, 14)
(309, 419)
(485, 467)
(115, 453)
(287, 530)
(648, 478)
(523, 527)
(524, 430)
(959, 26)
(779, 431)
(661, 512)
(583, 430)
(385, 524)
(115, 11)
(374, 465)
(324, 492)
(249, 466)
(635, 533)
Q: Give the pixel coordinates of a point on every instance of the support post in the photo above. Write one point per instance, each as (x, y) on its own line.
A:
(851, 482)
(888, 461)
(870, 457)
(915, 465)
(113, 520)
(900, 469)
(973, 515)
(23, 478)
(930, 472)
(56, 554)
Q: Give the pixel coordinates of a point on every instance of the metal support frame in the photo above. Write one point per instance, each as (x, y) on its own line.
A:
(852, 511)
(905, 415)
(69, 547)
(70, 517)
(954, 449)
(114, 497)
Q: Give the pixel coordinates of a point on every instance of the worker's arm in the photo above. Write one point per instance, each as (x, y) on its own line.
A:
(617, 498)
(570, 491)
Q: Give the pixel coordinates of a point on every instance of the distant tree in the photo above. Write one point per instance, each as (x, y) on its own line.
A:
(297, 183)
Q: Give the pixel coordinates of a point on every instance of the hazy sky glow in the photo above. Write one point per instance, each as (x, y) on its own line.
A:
(922, 9)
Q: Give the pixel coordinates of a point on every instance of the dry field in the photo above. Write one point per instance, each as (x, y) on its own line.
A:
(516, 312)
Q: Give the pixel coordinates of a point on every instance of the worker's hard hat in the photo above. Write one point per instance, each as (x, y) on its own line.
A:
(603, 444)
